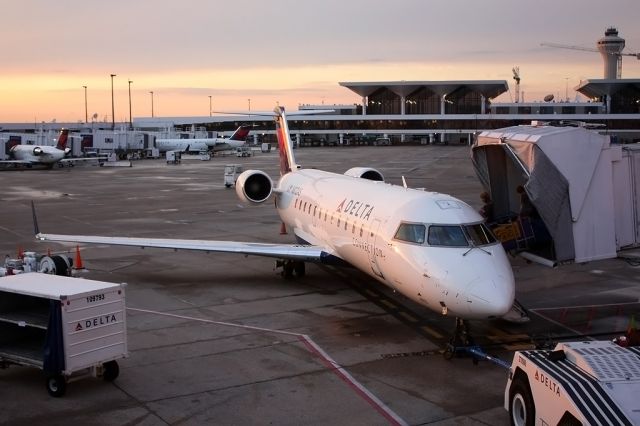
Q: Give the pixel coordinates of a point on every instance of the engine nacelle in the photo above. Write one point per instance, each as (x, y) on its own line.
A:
(365, 173)
(37, 151)
(254, 186)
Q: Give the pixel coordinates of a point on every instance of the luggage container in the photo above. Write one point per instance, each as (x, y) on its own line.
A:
(68, 327)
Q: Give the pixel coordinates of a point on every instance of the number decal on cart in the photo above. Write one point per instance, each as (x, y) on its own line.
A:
(95, 298)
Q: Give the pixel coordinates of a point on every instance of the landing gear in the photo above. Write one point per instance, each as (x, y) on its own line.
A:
(460, 341)
(289, 267)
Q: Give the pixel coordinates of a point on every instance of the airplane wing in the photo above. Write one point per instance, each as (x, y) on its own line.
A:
(309, 253)
(306, 253)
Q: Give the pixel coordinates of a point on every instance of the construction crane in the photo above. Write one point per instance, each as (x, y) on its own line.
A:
(516, 77)
(593, 49)
(610, 46)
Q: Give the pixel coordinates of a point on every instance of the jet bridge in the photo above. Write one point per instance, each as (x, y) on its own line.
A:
(568, 175)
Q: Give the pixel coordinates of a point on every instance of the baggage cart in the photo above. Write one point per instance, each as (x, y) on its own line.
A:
(68, 327)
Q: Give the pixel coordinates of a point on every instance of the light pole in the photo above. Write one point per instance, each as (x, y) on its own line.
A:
(130, 119)
(210, 113)
(151, 104)
(86, 113)
(113, 110)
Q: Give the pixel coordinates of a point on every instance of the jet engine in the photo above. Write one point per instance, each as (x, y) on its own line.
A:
(37, 151)
(254, 186)
(365, 173)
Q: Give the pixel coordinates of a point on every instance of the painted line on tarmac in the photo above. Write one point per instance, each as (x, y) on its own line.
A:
(315, 349)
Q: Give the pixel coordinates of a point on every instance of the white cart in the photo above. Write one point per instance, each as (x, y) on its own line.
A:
(68, 327)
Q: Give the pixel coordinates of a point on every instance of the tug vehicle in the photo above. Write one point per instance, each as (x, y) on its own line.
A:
(577, 383)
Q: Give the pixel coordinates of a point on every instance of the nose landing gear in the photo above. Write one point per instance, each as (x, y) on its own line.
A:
(461, 341)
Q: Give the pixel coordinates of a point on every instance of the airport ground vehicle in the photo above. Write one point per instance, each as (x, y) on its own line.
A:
(577, 383)
(243, 151)
(173, 157)
(231, 173)
(29, 261)
(68, 327)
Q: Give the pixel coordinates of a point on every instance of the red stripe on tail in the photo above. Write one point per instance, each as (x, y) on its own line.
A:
(62, 139)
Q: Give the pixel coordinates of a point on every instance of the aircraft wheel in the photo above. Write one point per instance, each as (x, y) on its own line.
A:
(448, 353)
(522, 410)
(299, 268)
(287, 269)
(56, 385)
(110, 371)
(62, 267)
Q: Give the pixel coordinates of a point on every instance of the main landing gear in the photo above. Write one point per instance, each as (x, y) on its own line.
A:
(461, 341)
(291, 267)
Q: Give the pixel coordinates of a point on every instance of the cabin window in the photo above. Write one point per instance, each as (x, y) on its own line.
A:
(447, 235)
(410, 232)
(361, 226)
(479, 234)
(305, 206)
(315, 208)
(338, 221)
(325, 215)
(353, 228)
(346, 223)
(296, 204)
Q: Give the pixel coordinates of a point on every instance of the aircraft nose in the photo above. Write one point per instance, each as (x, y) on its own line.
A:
(492, 297)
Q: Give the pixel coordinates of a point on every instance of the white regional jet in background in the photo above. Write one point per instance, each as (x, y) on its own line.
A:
(43, 155)
(431, 247)
(237, 139)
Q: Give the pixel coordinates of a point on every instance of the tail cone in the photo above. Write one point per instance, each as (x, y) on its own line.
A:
(283, 229)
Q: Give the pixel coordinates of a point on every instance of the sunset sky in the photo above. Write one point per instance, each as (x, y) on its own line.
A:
(286, 51)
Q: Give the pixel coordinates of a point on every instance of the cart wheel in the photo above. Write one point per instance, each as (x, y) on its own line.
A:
(110, 371)
(56, 385)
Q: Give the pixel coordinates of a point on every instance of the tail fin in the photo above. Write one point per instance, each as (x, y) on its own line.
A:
(287, 160)
(241, 133)
(62, 139)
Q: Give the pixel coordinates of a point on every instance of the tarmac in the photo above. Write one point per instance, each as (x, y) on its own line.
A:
(224, 339)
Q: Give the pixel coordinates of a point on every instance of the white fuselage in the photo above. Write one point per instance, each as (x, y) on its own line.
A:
(217, 144)
(357, 220)
(37, 154)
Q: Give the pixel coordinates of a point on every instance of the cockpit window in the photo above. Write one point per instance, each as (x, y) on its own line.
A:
(447, 235)
(479, 234)
(411, 232)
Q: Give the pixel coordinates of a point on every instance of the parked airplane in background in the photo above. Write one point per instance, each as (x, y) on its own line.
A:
(43, 155)
(431, 247)
(237, 139)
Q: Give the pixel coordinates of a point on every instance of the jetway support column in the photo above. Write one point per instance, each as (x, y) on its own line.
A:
(403, 100)
(364, 105)
(482, 104)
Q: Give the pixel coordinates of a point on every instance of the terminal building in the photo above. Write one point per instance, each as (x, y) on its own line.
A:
(421, 111)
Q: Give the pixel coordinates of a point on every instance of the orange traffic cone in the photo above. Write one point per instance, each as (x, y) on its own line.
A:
(77, 264)
(20, 252)
(283, 229)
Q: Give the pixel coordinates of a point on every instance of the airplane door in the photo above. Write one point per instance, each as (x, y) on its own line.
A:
(374, 251)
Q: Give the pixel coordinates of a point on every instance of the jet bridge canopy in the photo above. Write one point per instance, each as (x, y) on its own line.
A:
(567, 174)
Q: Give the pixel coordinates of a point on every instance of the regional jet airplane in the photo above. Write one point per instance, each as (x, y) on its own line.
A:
(431, 247)
(237, 139)
(43, 155)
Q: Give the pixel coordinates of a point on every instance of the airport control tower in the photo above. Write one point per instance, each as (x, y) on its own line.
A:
(610, 46)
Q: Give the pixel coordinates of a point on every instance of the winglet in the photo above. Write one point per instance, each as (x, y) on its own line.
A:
(36, 228)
